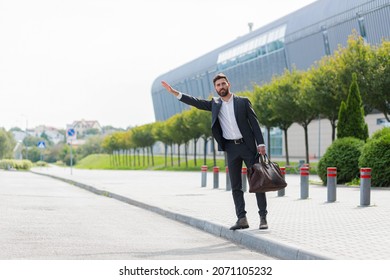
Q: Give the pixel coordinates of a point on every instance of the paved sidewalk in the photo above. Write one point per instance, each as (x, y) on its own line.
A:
(298, 228)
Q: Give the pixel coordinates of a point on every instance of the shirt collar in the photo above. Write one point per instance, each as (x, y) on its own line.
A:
(230, 100)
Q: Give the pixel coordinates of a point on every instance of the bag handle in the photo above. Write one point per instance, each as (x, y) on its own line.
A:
(263, 159)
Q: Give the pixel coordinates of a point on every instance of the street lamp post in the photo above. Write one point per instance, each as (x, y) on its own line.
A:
(26, 133)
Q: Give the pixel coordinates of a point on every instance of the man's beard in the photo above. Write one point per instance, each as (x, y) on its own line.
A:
(223, 92)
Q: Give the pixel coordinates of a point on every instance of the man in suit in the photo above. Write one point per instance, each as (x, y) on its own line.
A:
(236, 129)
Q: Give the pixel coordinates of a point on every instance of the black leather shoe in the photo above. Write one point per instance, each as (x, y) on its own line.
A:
(240, 224)
(263, 223)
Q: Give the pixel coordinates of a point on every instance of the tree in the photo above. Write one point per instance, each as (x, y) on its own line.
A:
(7, 143)
(52, 154)
(379, 97)
(142, 137)
(106, 145)
(93, 145)
(306, 112)
(178, 129)
(149, 139)
(351, 117)
(34, 154)
(261, 99)
(283, 103)
(192, 119)
(46, 138)
(204, 124)
(15, 128)
(161, 134)
(64, 155)
(32, 141)
(111, 144)
(91, 131)
(355, 58)
(328, 90)
(169, 128)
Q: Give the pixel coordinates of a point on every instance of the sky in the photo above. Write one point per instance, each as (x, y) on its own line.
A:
(67, 60)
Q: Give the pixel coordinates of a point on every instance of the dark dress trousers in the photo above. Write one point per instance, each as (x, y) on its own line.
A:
(236, 153)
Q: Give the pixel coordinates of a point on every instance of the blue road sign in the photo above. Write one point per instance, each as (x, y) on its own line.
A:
(71, 132)
(41, 145)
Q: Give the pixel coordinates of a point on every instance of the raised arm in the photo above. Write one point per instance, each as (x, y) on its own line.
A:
(201, 104)
(169, 88)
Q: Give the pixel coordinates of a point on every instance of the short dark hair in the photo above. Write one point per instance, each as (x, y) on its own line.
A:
(220, 76)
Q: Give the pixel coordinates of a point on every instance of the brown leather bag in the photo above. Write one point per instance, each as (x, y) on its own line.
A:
(265, 176)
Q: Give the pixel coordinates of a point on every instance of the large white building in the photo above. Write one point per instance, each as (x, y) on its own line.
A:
(298, 39)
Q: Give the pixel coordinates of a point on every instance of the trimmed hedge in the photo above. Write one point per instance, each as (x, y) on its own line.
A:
(376, 155)
(9, 164)
(344, 154)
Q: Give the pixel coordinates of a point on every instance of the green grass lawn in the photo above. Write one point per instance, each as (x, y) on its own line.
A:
(105, 161)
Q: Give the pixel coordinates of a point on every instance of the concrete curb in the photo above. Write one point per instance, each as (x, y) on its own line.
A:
(244, 238)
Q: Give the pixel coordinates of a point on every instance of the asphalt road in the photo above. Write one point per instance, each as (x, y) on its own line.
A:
(45, 219)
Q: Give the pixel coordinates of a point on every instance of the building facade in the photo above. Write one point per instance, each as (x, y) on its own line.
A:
(82, 127)
(296, 40)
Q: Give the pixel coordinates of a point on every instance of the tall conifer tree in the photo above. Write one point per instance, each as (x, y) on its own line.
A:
(351, 121)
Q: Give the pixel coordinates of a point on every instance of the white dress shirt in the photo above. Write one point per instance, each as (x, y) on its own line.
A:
(228, 121)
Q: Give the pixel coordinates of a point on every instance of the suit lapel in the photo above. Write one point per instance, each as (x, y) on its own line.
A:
(236, 106)
(215, 111)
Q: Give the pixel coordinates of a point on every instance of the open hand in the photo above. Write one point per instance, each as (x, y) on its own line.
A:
(167, 86)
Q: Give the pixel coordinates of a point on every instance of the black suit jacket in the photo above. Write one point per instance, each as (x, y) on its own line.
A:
(245, 116)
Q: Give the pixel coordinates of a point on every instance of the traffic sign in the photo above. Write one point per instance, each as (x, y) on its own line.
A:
(71, 132)
(71, 135)
(41, 145)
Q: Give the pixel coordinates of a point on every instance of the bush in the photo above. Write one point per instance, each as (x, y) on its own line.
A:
(376, 155)
(41, 163)
(67, 162)
(8, 164)
(344, 154)
(380, 133)
(60, 163)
